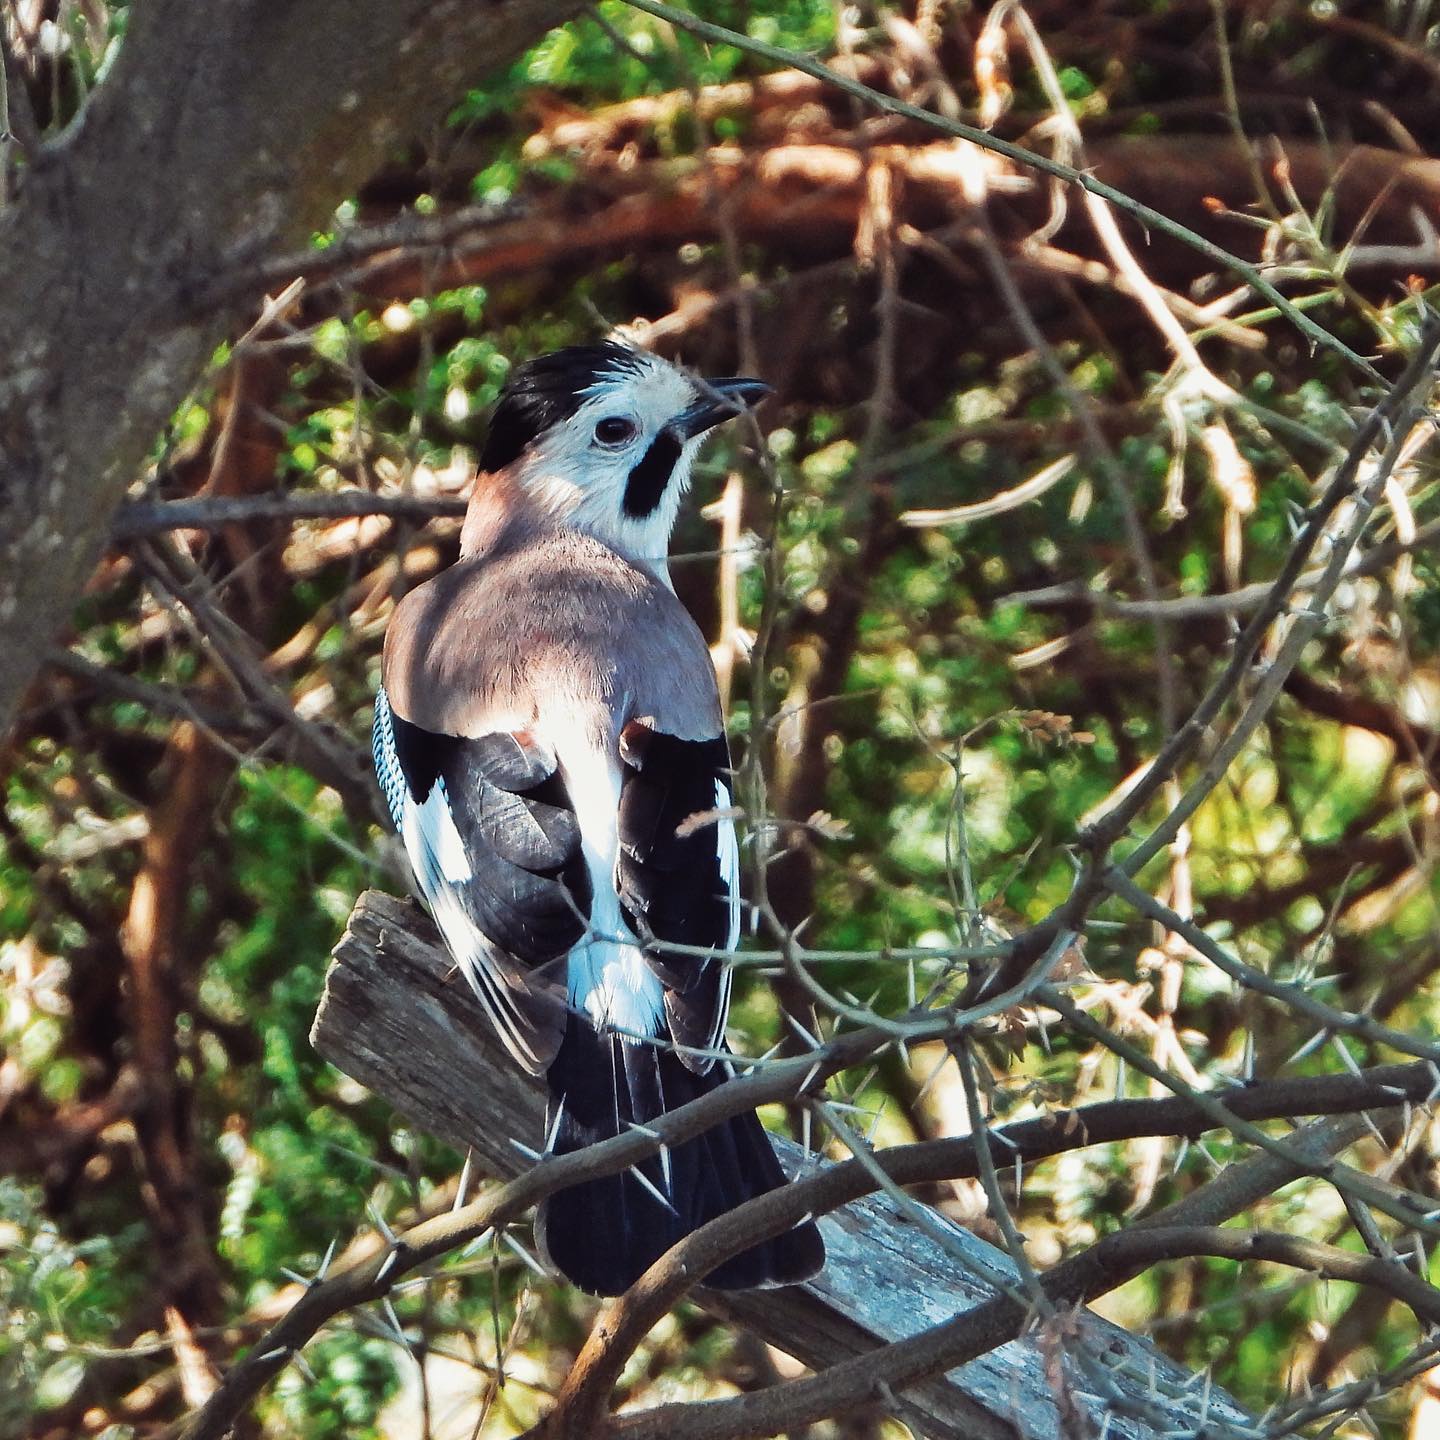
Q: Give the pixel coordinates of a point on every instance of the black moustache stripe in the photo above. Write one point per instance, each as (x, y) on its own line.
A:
(649, 478)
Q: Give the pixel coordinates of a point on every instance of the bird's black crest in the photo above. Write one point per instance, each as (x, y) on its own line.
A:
(545, 392)
(649, 478)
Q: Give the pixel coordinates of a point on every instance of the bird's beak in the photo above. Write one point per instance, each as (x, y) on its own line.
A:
(724, 399)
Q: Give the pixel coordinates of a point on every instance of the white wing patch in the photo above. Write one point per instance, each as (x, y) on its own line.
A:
(437, 857)
(729, 852)
(430, 831)
(728, 849)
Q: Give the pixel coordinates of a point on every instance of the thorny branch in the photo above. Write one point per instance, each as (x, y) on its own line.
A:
(629, 1319)
(939, 1348)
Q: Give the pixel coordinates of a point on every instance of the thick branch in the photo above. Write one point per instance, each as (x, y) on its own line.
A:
(1026, 159)
(808, 192)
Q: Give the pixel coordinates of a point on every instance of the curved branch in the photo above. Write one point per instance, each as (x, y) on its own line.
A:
(1030, 159)
(632, 1317)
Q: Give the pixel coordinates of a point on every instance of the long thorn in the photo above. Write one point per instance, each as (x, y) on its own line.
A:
(554, 1134)
(636, 1173)
(524, 1254)
(462, 1188)
(380, 1222)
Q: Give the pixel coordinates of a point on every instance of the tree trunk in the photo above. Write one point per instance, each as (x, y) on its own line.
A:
(225, 133)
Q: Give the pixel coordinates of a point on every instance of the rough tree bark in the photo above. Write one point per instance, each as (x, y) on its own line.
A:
(226, 132)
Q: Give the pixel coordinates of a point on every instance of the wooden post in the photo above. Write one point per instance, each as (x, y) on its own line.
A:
(398, 1018)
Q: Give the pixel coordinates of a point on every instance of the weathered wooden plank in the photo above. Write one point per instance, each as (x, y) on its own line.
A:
(397, 1018)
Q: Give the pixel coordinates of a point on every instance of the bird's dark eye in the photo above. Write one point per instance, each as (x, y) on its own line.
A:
(615, 431)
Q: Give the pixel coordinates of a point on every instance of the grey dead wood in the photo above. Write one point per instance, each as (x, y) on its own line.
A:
(225, 133)
(397, 1017)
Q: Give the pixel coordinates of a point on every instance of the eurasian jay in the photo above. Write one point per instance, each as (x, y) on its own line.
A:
(550, 741)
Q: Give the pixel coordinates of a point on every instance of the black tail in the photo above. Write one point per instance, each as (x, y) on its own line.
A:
(603, 1235)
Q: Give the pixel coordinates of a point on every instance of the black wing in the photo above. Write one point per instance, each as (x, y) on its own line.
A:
(678, 874)
(496, 852)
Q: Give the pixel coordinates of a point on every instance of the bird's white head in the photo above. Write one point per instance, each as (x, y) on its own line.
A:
(603, 437)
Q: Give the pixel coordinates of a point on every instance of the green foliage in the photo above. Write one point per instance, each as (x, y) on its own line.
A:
(55, 1296)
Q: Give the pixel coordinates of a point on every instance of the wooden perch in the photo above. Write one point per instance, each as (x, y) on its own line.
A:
(397, 1017)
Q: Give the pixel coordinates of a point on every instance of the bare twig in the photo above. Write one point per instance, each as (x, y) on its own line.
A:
(1342, 488)
(327, 753)
(139, 519)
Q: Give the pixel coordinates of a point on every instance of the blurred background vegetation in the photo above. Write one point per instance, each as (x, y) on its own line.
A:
(187, 814)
